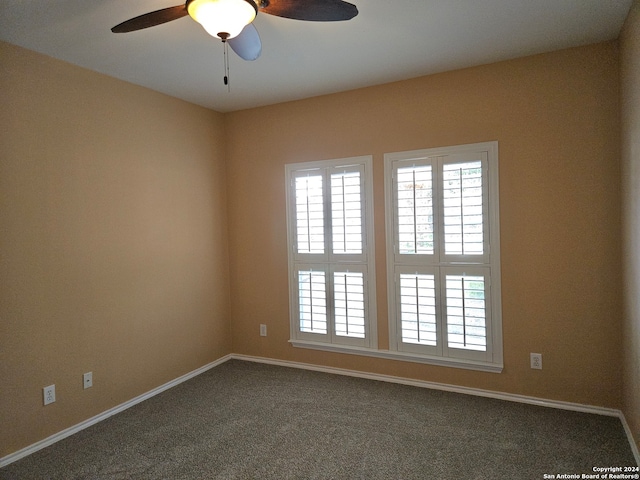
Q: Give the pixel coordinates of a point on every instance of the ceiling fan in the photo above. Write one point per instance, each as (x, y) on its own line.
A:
(231, 20)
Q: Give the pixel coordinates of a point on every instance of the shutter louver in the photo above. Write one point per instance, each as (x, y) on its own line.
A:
(309, 214)
(466, 312)
(312, 299)
(462, 208)
(349, 304)
(415, 210)
(346, 213)
(418, 309)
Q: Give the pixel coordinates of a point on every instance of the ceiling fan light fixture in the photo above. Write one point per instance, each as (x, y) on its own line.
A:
(223, 19)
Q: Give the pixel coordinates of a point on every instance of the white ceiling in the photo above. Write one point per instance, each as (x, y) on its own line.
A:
(389, 40)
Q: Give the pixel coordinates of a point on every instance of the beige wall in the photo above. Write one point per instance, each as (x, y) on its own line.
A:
(556, 119)
(112, 242)
(630, 109)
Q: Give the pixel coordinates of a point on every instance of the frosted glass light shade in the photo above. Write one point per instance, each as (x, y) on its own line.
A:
(222, 16)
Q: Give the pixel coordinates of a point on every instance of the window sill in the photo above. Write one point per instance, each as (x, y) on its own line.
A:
(402, 356)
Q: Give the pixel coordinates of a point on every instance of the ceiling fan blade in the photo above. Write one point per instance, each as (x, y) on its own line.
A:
(312, 10)
(247, 44)
(151, 19)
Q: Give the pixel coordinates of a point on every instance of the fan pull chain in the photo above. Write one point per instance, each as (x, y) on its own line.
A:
(226, 65)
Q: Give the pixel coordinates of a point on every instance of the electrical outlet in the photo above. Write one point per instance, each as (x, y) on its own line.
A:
(87, 380)
(49, 394)
(536, 361)
(263, 330)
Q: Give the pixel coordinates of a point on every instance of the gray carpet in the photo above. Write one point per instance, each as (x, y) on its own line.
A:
(244, 420)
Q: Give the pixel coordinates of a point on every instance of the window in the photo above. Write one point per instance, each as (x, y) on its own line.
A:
(331, 255)
(443, 262)
(443, 256)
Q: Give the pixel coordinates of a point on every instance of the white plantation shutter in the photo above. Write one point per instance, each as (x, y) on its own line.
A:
(418, 308)
(466, 312)
(443, 252)
(309, 213)
(346, 212)
(330, 252)
(462, 200)
(414, 193)
(349, 299)
(312, 301)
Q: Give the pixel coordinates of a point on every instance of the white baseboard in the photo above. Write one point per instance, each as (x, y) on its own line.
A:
(56, 437)
(634, 446)
(576, 407)
(339, 371)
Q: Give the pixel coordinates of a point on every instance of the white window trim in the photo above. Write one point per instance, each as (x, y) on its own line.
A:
(495, 361)
(401, 356)
(298, 338)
